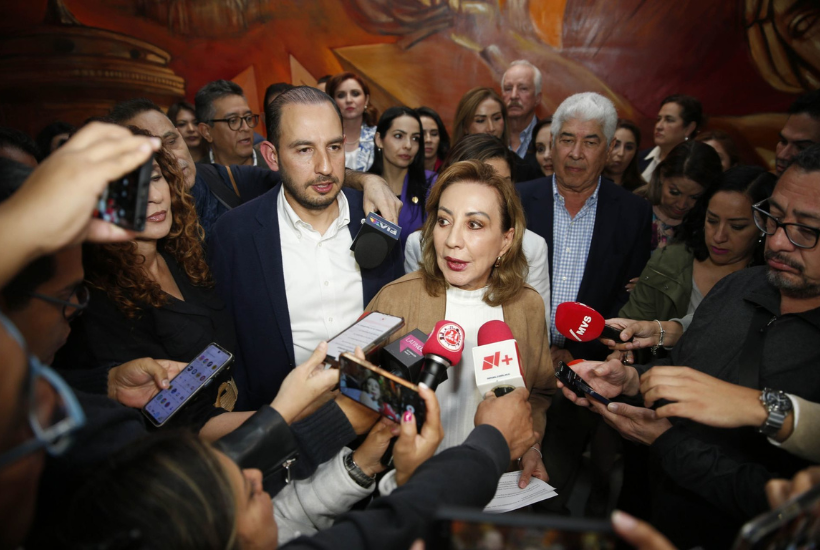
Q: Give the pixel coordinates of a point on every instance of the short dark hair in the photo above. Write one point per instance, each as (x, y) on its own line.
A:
(301, 95)
(209, 93)
(481, 147)
(124, 111)
(17, 292)
(691, 159)
(275, 89)
(725, 141)
(15, 139)
(807, 104)
(752, 181)
(808, 159)
(443, 136)
(691, 110)
(45, 136)
(323, 79)
(173, 110)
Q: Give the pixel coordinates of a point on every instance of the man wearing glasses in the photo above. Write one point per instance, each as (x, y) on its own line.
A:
(227, 122)
(758, 328)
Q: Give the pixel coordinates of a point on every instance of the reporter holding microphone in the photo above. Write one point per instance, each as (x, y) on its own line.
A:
(472, 271)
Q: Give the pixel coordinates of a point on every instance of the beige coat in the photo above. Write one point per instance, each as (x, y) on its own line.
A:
(406, 297)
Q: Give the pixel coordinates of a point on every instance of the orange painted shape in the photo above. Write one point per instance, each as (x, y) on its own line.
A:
(548, 20)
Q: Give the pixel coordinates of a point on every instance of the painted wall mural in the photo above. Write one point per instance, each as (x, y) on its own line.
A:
(745, 59)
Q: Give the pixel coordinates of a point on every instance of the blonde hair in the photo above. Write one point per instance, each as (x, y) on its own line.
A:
(507, 279)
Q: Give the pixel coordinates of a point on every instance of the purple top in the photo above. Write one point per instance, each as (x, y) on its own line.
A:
(412, 214)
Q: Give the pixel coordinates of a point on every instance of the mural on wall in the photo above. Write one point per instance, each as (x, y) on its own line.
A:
(745, 59)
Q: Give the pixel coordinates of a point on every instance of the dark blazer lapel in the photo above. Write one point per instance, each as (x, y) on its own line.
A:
(602, 245)
(269, 249)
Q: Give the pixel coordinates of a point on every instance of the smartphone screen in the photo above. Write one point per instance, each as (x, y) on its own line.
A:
(367, 333)
(125, 201)
(570, 379)
(794, 525)
(198, 374)
(457, 528)
(379, 390)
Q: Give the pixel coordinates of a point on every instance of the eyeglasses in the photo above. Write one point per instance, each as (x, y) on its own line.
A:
(71, 310)
(235, 122)
(53, 410)
(801, 236)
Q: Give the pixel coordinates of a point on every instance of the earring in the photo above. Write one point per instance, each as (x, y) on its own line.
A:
(498, 261)
(686, 138)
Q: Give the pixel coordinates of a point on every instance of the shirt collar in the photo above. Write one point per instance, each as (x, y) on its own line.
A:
(765, 295)
(654, 154)
(593, 199)
(211, 156)
(298, 225)
(525, 137)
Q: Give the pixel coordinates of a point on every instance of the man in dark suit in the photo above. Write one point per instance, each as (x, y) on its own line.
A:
(282, 262)
(598, 235)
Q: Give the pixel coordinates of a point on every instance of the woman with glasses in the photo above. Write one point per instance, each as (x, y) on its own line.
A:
(718, 237)
(153, 296)
(183, 115)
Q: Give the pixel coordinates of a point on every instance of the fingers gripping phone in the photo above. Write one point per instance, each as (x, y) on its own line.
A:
(189, 382)
(570, 379)
(379, 390)
(125, 201)
(369, 332)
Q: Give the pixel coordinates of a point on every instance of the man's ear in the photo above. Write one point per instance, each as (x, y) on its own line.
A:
(205, 130)
(270, 155)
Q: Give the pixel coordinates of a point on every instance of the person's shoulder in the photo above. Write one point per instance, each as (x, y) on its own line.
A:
(613, 190)
(402, 283)
(243, 217)
(675, 256)
(534, 188)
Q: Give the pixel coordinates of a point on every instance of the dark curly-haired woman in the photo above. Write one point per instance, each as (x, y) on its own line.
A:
(152, 296)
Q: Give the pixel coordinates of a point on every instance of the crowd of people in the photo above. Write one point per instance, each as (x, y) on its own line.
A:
(248, 244)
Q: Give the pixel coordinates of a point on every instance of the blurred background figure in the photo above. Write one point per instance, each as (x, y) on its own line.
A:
(183, 115)
(622, 166)
(351, 94)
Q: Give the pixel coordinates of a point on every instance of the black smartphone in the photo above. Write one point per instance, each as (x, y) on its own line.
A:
(125, 201)
(377, 389)
(570, 379)
(611, 333)
(457, 528)
(191, 380)
(794, 525)
(369, 332)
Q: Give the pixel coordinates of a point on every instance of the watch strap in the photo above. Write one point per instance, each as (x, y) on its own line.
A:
(356, 473)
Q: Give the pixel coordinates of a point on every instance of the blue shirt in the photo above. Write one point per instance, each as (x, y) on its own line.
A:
(571, 240)
(525, 138)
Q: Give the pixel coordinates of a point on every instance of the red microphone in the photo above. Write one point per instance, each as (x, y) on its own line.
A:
(442, 349)
(579, 322)
(496, 359)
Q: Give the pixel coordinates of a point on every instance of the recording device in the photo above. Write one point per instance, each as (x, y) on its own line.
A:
(495, 360)
(456, 528)
(405, 356)
(377, 389)
(581, 323)
(795, 524)
(189, 382)
(374, 241)
(442, 349)
(125, 201)
(571, 380)
(369, 332)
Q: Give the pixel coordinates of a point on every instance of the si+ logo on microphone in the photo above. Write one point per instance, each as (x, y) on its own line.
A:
(494, 360)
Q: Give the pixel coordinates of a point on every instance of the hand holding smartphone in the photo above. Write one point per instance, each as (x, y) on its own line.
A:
(125, 201)
(199, 373)
(571, 380)
(369, 332)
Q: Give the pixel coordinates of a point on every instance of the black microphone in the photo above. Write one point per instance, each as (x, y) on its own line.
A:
(442, 350)
(405, 356)
(374, 241)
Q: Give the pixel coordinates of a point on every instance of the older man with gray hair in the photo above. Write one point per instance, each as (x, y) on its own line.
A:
(521, 90)
(599, 236)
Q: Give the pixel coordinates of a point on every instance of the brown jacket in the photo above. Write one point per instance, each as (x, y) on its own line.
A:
(406, 297)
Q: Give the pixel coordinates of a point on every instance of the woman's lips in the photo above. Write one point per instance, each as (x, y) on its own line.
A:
(455, 265)
(157, 217)
(405, 157)
(719, 251)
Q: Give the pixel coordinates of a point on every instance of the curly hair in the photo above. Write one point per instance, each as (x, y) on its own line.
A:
(117, 269)
(507, 279)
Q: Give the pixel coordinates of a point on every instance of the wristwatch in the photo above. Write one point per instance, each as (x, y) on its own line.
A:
(357, 474)
(779, 406)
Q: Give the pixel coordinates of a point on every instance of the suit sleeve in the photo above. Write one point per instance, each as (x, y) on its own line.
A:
(639, 255)
(737, 488)
(466, 475)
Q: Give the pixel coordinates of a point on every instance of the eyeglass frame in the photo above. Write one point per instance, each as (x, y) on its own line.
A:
(55, 439)
(757, 208)
(246, 119)
(79, 307)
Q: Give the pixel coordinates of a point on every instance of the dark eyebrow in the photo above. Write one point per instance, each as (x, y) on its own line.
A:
(399, 131)
(797, 213)
(233, 114)
(710, 213)
(445, 209)
(170, 134)
(593, 136)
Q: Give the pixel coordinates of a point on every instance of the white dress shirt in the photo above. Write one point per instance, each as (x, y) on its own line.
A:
(655, 155)
(323, 282)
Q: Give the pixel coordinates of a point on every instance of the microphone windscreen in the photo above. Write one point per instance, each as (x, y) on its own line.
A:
(494, 331)
(446, 340)
(579, 322)
(371, 250)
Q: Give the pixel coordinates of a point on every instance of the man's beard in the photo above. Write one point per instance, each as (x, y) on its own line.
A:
(299, 192)
(799, 290)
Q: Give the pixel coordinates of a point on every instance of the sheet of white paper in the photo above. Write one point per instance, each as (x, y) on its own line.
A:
(509, 496)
